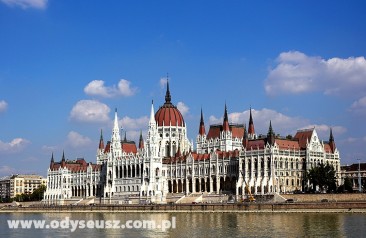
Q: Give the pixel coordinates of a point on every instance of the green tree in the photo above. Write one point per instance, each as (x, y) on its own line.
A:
(323, 176)
(37, 194)
(348, 185)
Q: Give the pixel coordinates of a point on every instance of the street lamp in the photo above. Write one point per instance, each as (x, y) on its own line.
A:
(359, 176)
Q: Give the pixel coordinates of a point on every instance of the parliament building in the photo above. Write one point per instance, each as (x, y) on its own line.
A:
(229, 159)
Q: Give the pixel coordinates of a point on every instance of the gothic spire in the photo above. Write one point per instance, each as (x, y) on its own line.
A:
(331, 138)
(202, 125)
(270, 134)
(226, 120)
(245, 137)
(251, 130)
(63, 156)
(331, 141)
(152, 113)
(52, 160)
(141, 141)
(101, 142)
(125, 139)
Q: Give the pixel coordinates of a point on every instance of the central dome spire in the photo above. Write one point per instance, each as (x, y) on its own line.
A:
(168, 97)
(169, 114)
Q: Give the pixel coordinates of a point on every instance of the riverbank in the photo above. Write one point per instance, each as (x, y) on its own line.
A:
(338, 207)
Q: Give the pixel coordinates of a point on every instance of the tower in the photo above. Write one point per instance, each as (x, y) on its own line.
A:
(251, 131)
(226, 135)
(201, 137)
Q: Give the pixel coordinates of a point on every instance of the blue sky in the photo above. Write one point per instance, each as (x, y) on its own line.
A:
(65, 65)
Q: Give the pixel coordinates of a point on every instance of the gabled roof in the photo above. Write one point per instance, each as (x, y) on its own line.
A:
(288, 144)
(237, 131)
(256, 144)
(129, 147)
(79, 165)
(303, 136)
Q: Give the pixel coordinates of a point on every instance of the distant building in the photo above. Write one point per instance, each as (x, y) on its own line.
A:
(354, 172)
(229, 159)
(5, 188)
(11, 186)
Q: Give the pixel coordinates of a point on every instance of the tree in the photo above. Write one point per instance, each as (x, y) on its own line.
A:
(37, 194)
(324, 177)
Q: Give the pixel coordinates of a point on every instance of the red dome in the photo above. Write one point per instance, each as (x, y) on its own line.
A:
(168, 114)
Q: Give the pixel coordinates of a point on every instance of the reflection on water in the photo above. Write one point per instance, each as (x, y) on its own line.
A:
(202, 224)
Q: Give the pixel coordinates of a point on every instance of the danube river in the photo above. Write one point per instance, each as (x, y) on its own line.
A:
(188, 224)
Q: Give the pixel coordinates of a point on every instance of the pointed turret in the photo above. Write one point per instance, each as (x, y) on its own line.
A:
(225, 125)
(52, 161)
(101, 142)
(245, 137)
(63, 161)
(331, 141)
(115, 132)
(251, 130)
(270, 134)
(125, 138)
(152, 113)
(141, 141)
(202, 130)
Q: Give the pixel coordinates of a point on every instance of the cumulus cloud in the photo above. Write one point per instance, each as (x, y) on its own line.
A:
(163, 81)
(97, 88)
(14, 146)
(183, 108)
(3, 106)
(297, 73)
(38, 4)
(90, 111)
(359, 106)
(77, 140)
(134, 126)
(6, 170)
(281, 123)
(323, 130)
(129, 123)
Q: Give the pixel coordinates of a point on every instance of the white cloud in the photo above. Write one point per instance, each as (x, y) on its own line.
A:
(125, 88)
(163, 81)
(129, 123)
(77, 140)
(97, 88)
(133, 127)
(6, 170)
(297, 73)
(38, 4)
(324, 130)
(3, 106)
(183, 108)
(16, 145)
(359, 106)
(281, 123)
(90, 111)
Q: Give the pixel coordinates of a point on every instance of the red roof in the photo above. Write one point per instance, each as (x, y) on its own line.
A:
(214, 131)
(256, 144)
(327, 148)
(237, 131)
(80, 165)
(129, 147)
(287, 144)
(303, 136)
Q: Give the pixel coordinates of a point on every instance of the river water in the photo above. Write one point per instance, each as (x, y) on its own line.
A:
(190, 225)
